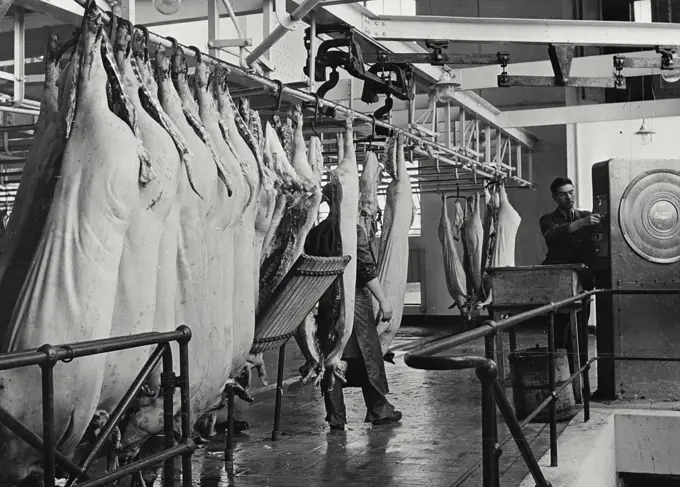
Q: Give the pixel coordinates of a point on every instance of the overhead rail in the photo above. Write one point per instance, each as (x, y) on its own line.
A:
(278, 89)
(533, 31)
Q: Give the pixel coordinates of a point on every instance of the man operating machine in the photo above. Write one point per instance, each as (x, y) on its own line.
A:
(568, 234)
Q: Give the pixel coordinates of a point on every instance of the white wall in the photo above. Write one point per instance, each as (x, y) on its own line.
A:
(600, 141)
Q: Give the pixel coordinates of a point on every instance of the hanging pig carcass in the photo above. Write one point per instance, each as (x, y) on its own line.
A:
(70, 290)
(394, 248)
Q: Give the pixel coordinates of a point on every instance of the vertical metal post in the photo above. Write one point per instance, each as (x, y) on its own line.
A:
(489, 466)
(412, 106)
(490, 352)
(213, 26)
(19, 56)
(551, 385)
(49, 440)
(586, 372)
(276, 434)
(229, 447)
(268, 17)
(447, 124)
(518, 160)
(185, 405)
(499, 147)
(312, 52)
(462, 126)
(487, 144)
(128, 10)
(169, 383)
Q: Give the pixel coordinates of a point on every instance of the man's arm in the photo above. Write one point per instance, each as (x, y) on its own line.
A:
(553, 232)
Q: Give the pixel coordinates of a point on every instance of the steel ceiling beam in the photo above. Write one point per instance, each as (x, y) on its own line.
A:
(591, 113)
(532, 31)
(356, 15)
(484, 77)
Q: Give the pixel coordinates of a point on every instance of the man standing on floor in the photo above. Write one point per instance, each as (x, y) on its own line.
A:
(365, 366)
(567, 232)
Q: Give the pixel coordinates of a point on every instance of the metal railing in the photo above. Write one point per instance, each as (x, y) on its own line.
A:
(47, 357)
(493, 393)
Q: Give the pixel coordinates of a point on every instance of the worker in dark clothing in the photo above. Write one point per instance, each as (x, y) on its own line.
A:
(567, 233)
(365, 366)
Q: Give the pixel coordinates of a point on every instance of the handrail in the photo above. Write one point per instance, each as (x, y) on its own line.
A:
(47, 358)
(493, 393)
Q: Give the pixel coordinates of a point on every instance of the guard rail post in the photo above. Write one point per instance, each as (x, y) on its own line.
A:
(169, 382)
(185, 407)
(488, 374)
(584, 359)
(490, 352)
(551, 385)
(47, 369)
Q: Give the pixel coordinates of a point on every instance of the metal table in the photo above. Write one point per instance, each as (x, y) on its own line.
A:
(517, 289)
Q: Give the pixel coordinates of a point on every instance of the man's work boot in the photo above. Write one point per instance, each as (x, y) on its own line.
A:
(393, 419)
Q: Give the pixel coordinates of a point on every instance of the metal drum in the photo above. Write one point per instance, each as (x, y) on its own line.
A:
(530, 384)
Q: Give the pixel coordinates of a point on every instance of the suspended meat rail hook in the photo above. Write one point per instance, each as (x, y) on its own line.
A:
(317, 99)
(145, 36)
(177, 59)
(279, 95)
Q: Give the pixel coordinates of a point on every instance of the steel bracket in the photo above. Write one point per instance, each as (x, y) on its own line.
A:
(222, 43)
(345, 52)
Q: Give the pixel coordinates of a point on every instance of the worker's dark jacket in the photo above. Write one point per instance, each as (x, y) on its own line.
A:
(364, 342)
(566, 248)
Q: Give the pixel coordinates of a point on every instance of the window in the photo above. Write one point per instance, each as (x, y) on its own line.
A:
(642, 10)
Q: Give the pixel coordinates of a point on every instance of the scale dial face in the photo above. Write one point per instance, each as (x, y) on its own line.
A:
(649, 216)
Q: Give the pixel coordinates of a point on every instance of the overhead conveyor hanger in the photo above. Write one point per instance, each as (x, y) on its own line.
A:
(561, 57)
(445, 154)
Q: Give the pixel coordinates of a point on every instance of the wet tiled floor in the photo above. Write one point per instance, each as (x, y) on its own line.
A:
(438, 441)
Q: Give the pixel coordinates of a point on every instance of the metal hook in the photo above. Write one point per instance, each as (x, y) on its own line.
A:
(279, 94)
(145, 35)
(198, 53)
(131, 31)
(176, 52)
(317, 103)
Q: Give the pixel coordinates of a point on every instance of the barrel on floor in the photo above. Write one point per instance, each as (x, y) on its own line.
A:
(530, 383)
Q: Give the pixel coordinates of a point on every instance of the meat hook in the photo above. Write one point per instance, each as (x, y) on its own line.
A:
(226, 71)
(177, 51)
(279, 95)
(317, 103)
(131, 31)
(372, 137)
(145, 35)
(197, 52)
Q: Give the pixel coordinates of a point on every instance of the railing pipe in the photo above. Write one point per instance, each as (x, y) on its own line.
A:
(168, 384)
(551, 385)
(36, 442)
(49, 440)
(488, 375)
(147, 462)
(490, 354)
(122, 406)
(516, 433)
(185, 407)
(12, 360)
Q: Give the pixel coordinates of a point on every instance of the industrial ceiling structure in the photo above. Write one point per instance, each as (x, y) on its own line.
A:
(464, 132)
